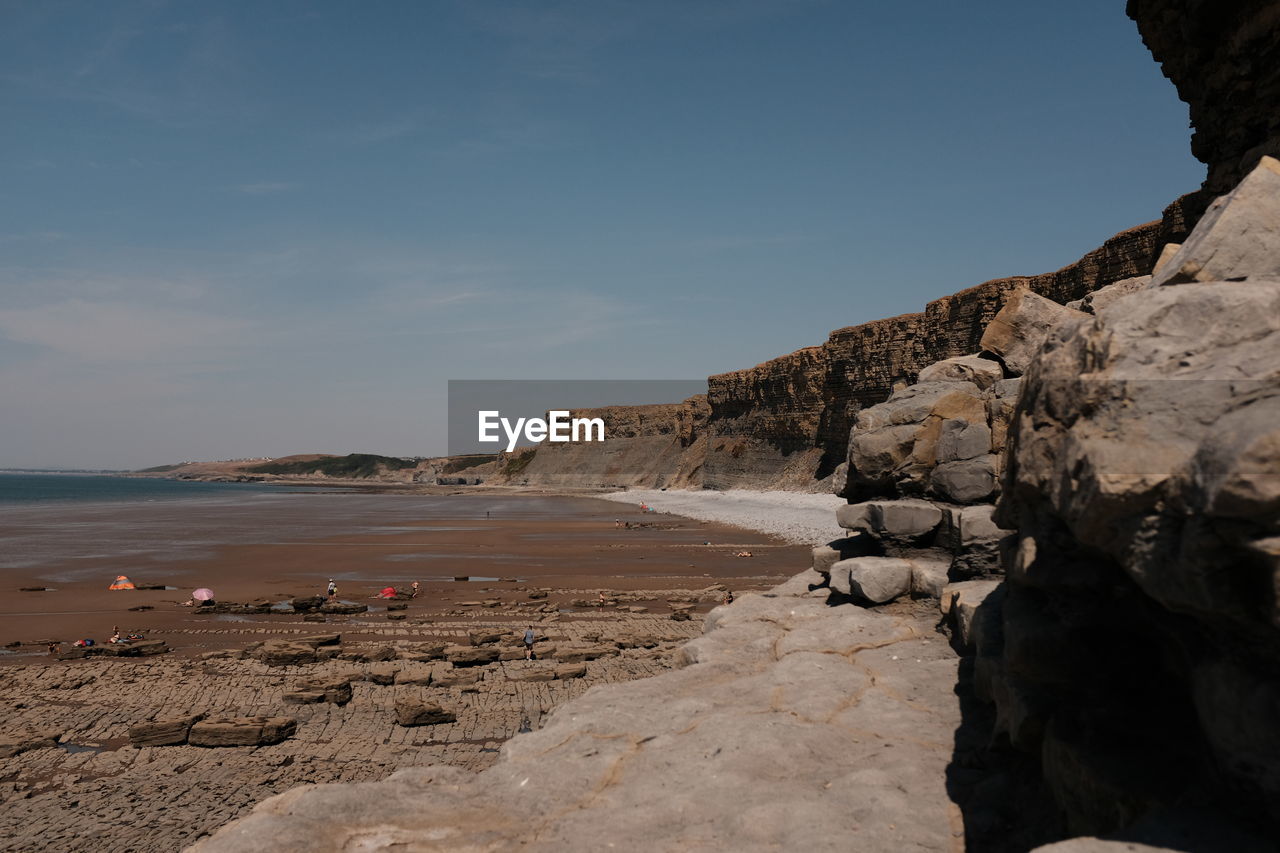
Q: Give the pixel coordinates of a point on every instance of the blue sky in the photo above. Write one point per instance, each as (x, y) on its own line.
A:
(237, 229)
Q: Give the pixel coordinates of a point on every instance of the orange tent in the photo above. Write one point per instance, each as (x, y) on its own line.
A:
(389, 592)
(122, 582)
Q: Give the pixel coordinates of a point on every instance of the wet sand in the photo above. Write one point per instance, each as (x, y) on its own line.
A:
(72, 780)
(281, 546)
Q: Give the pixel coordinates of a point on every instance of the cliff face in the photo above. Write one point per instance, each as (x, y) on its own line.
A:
(784, 424)
(652, 446)
(772, 420)
(1224, 59)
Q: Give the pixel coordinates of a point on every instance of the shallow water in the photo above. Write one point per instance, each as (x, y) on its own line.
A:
(78, 537)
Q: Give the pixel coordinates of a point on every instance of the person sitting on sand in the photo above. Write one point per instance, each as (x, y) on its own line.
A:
(54, 648)
(414, 594)
(115, 637)
(728, 596)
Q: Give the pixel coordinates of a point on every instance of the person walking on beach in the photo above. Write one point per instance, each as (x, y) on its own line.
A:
(332, 589)
(528, 643)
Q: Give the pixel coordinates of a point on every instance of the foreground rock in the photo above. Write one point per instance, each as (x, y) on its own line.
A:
(737, 751)
(1136, 656)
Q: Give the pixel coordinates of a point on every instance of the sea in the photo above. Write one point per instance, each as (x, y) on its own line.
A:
(65, 527)
(23, 488)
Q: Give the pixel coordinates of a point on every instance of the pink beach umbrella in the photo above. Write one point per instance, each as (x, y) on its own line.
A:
(203, 594)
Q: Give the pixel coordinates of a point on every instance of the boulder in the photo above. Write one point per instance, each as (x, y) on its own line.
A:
(470, 655)
(1021, 327)
(485, 636)
(421, 676)
(416, 712)
(242, 731)
(874, 579)
(1237, 238)
(975, 541)
(286, 653)
(929, 576)
(1166, 254)
(826, 556)
(969, 481)
(163, 732)
(894, 444)
(335, 690)
(308, 603)
(1103, 297)
(965, 368)
(571, 670)
(342, 607)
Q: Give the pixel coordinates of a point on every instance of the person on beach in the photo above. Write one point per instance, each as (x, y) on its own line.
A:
(528, 643)
(603, 600)
(332, 589)
(728, 596)
(414, 594)
(54, 648)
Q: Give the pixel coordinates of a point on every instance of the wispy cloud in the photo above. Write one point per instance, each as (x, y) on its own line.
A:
(40, 237)
(118, 331)
(374, 132)
(265, 188)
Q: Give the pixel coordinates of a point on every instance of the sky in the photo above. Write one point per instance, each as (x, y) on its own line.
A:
(240, 229)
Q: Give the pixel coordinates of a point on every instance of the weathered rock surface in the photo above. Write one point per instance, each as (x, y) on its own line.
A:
(164, 732)
(706, 755)
(241, 731)
(1016, 334)
(1141, 625)
(1238, 236)
(20, 742)
(1224, 62)
(417, 712)
(873, 579)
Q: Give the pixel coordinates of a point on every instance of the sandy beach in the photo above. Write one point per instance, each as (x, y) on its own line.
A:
(488, 564)
(276, 548)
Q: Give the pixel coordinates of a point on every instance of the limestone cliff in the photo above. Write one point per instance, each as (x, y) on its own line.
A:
(784, 424)
(653, 446)
(1224, 59)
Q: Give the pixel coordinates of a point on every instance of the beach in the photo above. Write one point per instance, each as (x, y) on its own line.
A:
(611, 591)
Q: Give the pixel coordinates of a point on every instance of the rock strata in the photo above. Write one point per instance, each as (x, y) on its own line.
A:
(774, 683)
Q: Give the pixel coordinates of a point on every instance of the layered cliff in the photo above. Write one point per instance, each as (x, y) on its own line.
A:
(784, 424)
(1224, 60)
(653, 446)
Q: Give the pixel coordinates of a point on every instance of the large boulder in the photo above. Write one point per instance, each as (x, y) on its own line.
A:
(1141, 628)
(1237, 238)
(1018, 331)
(242, 731)
(873, 579)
